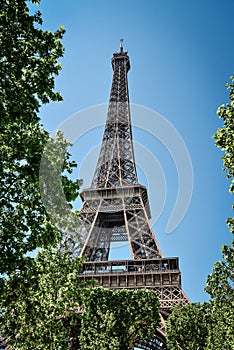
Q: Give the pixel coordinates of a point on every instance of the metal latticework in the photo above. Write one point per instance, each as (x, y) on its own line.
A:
(114, 215)
(116, 165)
(116, 208)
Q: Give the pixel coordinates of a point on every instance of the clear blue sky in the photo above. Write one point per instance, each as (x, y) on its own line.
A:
(182, 54)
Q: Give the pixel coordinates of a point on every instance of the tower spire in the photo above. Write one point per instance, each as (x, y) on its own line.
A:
(121, 46)
(116, 163)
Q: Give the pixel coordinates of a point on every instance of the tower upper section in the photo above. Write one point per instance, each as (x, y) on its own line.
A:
(116, 164)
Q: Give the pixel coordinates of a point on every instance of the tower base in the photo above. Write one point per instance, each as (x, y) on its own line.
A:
(161, 275)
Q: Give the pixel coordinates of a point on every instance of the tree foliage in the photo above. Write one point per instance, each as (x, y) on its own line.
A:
(216, 317)
(45, 307)
(41, 305)
(28, 65)
(115, 320)
(187, 327)
(31, 289)
(57, 190)
(220, 284)
(225, 140)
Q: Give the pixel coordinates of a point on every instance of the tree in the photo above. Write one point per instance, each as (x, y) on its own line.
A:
(46, 307)
(115, 320)
(29, 187)
(187, 327)
(28, 66)
(216, 317)
(220, 284)
(41, 305)
(225, 140)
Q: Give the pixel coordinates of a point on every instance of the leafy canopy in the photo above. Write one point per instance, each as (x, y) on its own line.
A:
(187, 327)
(41, 305)
(225, 140)
(116, 319)
(29, 63)
(211, 325)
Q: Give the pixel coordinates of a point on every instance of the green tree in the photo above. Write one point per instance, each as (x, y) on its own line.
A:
(46, 307)
(217, 317)
(220, 284)
(41, 305)
(33, 182)
(28, 65)
(115, 320)
(187, 327)
(225, 140)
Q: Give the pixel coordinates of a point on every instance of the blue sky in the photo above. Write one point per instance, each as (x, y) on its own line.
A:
(181, 55)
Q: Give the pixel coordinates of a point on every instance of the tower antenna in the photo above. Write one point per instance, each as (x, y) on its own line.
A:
(121, 45)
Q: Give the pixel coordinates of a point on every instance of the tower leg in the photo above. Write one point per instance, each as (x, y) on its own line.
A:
(141, 237)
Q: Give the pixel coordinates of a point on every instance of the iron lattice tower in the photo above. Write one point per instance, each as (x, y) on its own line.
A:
(116, 208)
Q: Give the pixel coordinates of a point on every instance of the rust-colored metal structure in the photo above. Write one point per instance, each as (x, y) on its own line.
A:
(116, 208)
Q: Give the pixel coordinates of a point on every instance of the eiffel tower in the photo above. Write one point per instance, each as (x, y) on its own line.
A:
(116, 209)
